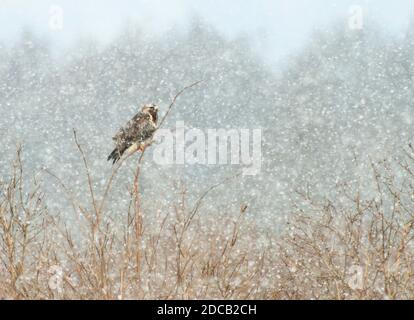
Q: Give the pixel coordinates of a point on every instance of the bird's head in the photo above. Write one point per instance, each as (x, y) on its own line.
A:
(152, 110)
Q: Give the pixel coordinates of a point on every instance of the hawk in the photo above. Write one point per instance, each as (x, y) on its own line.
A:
(137, 133)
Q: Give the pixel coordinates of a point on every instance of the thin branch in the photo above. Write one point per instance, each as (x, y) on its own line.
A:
(88, 173)
(109, 183)
(174, 99)
(205, 194)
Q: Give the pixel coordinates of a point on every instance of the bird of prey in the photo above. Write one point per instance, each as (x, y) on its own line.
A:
(137, 133)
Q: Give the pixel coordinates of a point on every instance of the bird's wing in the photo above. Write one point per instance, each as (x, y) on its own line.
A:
(138, 129)
(137, 132)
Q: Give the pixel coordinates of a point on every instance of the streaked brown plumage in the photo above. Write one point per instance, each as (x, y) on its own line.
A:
(136, 134)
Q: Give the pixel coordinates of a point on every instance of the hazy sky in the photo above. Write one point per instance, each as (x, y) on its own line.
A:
(278, 26)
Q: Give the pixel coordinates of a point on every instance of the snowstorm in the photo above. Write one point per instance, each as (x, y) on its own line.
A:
(277, 161)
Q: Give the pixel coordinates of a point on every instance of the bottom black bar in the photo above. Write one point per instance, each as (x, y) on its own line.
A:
(149, 309)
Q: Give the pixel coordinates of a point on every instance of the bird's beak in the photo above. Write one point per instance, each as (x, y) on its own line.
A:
(156, 108)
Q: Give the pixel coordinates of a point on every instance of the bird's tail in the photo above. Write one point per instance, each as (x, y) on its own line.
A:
(115, 156)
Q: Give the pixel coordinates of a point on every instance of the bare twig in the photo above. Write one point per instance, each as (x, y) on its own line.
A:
(174, 99)
(88, 174)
